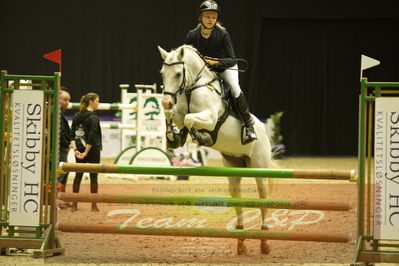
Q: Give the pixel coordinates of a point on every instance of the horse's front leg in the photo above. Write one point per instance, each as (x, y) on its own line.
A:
(175, 138)
(201, 120)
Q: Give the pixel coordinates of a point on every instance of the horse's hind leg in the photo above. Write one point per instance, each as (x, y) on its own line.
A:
(262, 189)
(261, 158)
(235, 192)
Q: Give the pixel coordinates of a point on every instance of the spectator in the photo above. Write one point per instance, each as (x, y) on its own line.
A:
(65, 141)
(86, 141)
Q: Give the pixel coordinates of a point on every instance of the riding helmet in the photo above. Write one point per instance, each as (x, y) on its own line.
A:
(209, 5)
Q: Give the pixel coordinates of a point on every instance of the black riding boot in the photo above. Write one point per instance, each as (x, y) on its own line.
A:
(248, 134)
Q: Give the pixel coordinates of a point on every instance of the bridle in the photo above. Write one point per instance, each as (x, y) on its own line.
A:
(182, 85)
(188, 89)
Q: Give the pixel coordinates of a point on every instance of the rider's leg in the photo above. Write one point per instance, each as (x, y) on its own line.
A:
(230, 76)
(246, 118)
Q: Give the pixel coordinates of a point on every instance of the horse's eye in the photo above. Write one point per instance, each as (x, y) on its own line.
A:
(178, 74)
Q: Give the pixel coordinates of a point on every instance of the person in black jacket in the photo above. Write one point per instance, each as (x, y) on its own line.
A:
(214, 43)
(86, 140)
(65, 140)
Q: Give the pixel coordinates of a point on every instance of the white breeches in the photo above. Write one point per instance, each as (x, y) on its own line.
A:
(230, 76)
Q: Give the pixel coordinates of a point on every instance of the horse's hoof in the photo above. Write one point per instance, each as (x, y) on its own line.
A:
(264, 248)
(207, 140)
(175, 143)
(170, 137)
(241, 248)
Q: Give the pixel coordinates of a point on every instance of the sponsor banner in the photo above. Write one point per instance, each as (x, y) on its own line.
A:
(151, 116)
(26, 161)
(386, 156)
(151, 126)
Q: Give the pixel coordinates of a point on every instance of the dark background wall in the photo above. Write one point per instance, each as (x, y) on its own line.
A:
(304, 55)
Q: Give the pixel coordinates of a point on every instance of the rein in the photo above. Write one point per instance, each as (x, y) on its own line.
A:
(235, 60)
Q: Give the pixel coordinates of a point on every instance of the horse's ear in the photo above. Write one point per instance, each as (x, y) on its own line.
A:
(181, 53)
(163, 53)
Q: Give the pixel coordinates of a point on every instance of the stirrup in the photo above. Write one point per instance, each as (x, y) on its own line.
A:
(247, 135)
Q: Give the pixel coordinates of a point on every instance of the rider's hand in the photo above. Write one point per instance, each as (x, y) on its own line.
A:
(211, 62)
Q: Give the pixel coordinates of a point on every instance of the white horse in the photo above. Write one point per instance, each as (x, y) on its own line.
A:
(192, 101)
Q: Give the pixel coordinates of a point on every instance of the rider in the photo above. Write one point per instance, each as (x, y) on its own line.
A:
(212, 40)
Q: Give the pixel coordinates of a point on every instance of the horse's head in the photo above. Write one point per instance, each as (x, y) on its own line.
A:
(173, 75)
(177, 72)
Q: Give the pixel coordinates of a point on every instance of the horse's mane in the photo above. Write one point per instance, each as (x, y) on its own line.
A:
(189, 47)
(191, 56)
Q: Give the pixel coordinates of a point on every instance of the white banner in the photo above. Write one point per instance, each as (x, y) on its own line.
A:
(26, 161)
(150, 120)
(386, 156)
(128, 117)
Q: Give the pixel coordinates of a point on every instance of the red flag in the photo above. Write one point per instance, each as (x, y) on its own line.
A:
(54, 56)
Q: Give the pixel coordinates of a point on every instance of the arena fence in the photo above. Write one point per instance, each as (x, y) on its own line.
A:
(207, 201)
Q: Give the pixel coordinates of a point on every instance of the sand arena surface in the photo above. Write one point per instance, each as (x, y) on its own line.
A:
(130, 249)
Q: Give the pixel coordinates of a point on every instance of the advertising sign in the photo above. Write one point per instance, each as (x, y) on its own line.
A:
(386, 156)
(26, 161)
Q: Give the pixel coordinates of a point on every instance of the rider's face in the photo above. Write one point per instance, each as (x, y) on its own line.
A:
(209, 18)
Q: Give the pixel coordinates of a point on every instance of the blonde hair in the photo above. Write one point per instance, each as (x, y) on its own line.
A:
(85, 100)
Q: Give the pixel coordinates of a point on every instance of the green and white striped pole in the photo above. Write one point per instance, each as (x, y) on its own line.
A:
(107, 106)
(211, 171)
